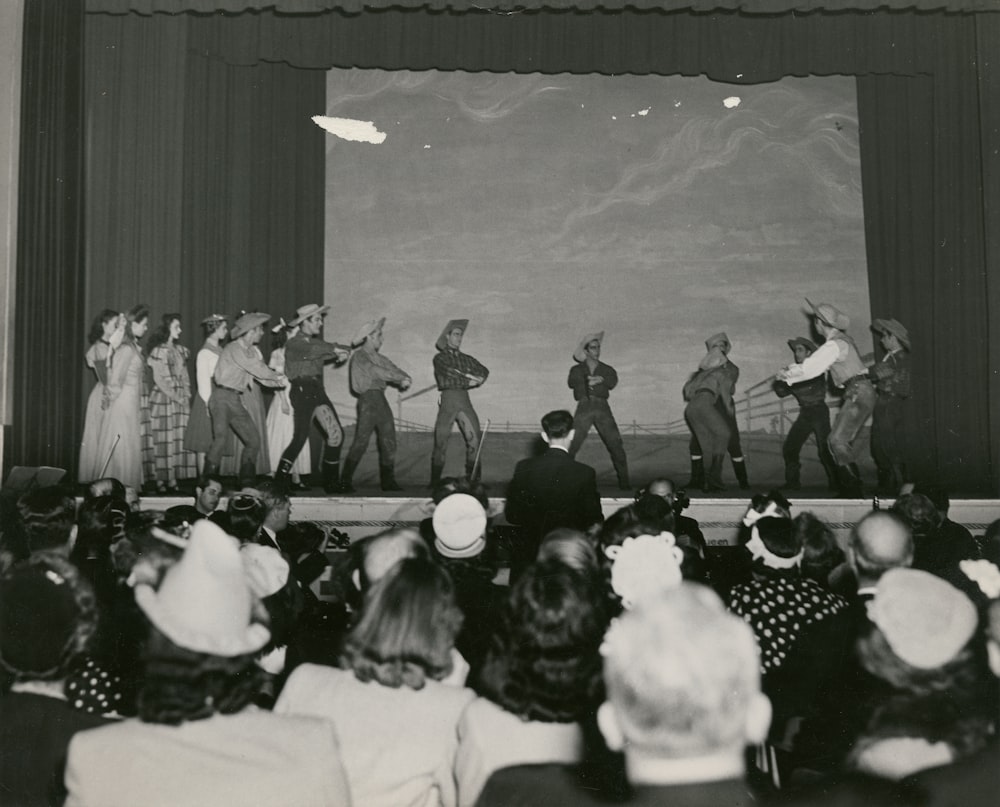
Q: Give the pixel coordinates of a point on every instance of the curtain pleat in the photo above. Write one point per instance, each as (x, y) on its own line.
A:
(49, 323)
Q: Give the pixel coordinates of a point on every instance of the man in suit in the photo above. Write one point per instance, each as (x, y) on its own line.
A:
(551, 490)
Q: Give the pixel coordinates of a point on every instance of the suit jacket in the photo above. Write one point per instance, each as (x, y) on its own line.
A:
(551, 491)
(249, 758)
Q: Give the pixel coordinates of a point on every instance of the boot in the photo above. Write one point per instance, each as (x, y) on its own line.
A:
(713, 479)
(346, 476)
(437, 471)
(473, 474)
(622, 472)
(740, 469)
(387, 476)
(331, 475)
(283, 476)
(248, 474)
(207, 470)
(697, 473)
(849, 483)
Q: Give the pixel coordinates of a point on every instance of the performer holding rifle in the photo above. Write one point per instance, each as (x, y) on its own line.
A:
(456, 373)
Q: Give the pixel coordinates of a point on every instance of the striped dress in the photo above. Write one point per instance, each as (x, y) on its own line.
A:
(169, 410)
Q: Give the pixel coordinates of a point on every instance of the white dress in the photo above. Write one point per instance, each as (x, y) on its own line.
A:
(280, 426)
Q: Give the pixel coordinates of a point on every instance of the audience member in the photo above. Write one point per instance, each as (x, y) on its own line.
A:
(686, 529)
(551, 490)
(108, 486)
(821, 554)
(47, 620)
(206, 503)
(48, 519)
(879, 542)
(935, 550)
(100, 523)
(571, 548)
(395, 719)
(951, 532)
(246, 511)
(541, 678)
(197, 742)
(683, 702)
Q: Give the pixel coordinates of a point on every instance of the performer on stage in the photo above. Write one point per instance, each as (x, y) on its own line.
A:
(813, 419)
(170, 404)
(456, 373)
(727, 408)
(839, 356)
(370, 373)
(305, 355)
(198, 437)
(709, 385)
(96, 357)
(238, 366)
(592, 381)
(891, 377)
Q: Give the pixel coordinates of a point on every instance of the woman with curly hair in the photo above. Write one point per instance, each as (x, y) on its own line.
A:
(170, 404)
(541, 677)
(47, 620)
(100, 339)
(197, 739)
(395, 719)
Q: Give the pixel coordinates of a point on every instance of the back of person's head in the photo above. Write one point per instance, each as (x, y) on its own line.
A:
(937, 495)
(272, 494)
(880, 541)
(108, 486)
(919, 513)
(382, 552)
(544, 663)
(461, 484)
(48, 518)
(100, 523)
(144, 544)
(655, 510)
(48, 616)
(682, 677)
(246, 513)
(774, 546)
(630, 522)
(571, 548)
(821, 553)
(407, 627)
(557, 424)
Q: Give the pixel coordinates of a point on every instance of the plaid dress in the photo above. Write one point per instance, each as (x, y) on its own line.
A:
(169, 413)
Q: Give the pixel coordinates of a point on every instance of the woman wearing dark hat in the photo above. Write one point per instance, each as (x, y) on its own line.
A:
(813, 419)
(48, 617)
(839, 357)
(891, 377)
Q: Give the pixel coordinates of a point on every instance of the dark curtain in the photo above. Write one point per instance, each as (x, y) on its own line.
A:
(48, 314)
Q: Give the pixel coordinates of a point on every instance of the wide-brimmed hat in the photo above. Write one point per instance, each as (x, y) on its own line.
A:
(895, 327)
(303, 312)
(214, 318)
(831, 315)
(248, 322)
(205, 602)
(367, 330)
(581, 349)
(442, 340)
(720, 339)
(808, 344)
(459, 526)
(925, 620)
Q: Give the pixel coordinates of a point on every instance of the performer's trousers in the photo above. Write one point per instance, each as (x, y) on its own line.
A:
(374, 415)
(813, 419)
(306, 395)
(887, 435)
(597, 412)
(708, 424)
(455, 406)
(734, 447)
(228, 412)
(859, 401)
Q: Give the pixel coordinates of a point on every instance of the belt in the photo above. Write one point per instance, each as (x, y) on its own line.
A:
(231, 389)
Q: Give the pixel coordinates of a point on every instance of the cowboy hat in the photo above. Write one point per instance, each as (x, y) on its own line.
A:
(581, 349)
(366, 330)
(442, 340)
(801, 340)
(830, 315)
(205, 602)
(303, 312)
(248, 322)
(894, 327)
(719, 339)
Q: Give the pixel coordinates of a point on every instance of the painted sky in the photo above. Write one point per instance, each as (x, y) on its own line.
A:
(657, 209)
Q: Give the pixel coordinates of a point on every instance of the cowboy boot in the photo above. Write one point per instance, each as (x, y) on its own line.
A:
(740, 469)
(346, 476)
(437, 471)
(697, 473)
(621, 471)
(713, 479)
(849, 483)
(248, 474)
(283, 476)
(207, 470)
(387, 476)
(331, 473)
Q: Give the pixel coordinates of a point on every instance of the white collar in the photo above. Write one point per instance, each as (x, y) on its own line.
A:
(561, 448)
(645, 769)
(48, 689)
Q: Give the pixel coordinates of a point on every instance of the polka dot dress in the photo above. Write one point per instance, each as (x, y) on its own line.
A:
(92, 689)
(780, 610)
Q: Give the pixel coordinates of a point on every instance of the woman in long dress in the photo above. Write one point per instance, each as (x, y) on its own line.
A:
(198, 436)
(96, 357)
(121, 433)
(170, 404)
(281, 415)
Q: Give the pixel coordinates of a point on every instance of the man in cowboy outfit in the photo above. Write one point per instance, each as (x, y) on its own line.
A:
(727, 408)
(305, 355)
(891, 377)
(813, 419)
(839, 357)
(371, 373)
(592, 381)
(456, 373)
(238, 366)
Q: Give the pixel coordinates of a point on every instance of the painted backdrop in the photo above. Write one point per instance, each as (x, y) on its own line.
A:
(658, 209)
